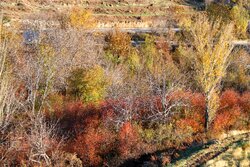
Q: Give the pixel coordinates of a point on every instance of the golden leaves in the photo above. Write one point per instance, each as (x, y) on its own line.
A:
(80, 18)
(211, 46)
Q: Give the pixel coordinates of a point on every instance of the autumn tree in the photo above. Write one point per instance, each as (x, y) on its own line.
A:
(211, 48)
(89, 85)
(119, 44)
(240, 16)
(237, 14)
(120, 51)
(150, 52)
(35, 68)
(238, 74)
(80, 18)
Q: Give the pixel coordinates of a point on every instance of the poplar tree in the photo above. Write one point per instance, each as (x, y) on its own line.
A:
(212, 44)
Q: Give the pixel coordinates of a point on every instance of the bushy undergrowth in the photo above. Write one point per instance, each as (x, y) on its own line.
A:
(92, 132)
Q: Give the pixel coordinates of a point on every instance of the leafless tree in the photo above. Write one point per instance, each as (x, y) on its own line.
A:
(7, 98)
(35, 68)
(162, 90)
(53, 56)
(145, 93)
(40, 139)
(124, 104)
(8, 101)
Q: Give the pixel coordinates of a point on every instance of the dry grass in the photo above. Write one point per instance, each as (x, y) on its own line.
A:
(237, 155)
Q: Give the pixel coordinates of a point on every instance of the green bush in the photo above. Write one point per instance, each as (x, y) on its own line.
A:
(149, 52)
(88, 85)
(240, 16)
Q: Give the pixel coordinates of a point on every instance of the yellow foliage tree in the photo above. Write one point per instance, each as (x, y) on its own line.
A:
(212, 46)
(119, 44)
(240, 16)
(80, 18)
(88, 85)
(150, 52)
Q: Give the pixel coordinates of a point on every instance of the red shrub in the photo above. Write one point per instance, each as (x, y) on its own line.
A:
(229, 98)
(94, 140)
(180, 95)
(128, 140)
(93, 145)
(197, 105)
(190, 123)
(245, 102)
(74, 107)
(71, 110)
(86, 147)
(231, 110)
(68, 117)
(198, 101)
(226, 119)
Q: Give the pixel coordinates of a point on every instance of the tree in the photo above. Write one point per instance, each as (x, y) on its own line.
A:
(88, 85)
(119, 46)
(8, 101)
(228, 13)
(7, 94)
(240, 16)
(211, 48)
(150, 52)
(80, 18)
(120, 51)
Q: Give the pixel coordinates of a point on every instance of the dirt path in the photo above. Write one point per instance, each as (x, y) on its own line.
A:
(212, 151)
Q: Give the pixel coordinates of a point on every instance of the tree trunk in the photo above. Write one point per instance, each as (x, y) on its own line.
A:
(206, 125)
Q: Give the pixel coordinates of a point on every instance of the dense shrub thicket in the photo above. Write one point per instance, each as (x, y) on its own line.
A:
(94, 136)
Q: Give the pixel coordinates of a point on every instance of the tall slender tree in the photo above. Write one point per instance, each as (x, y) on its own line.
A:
(212, 44)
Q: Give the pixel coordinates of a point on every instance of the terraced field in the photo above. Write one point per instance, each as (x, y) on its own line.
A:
(103, 10)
